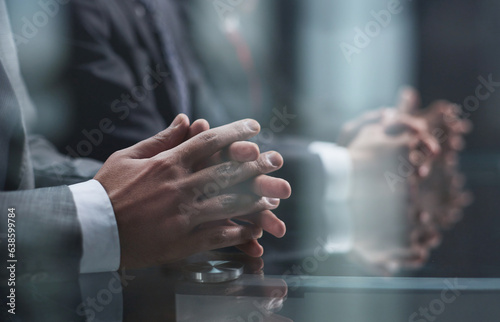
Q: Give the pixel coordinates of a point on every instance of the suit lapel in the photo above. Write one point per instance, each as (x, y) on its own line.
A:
(16, 171)
(143, 28)
(146, 37)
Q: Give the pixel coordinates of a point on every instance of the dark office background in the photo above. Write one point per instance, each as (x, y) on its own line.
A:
(459, 42)
(441, 47)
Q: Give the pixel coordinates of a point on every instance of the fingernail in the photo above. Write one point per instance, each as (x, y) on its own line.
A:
(273, 202)
(274, 159)
(252, 125)
(257, 233)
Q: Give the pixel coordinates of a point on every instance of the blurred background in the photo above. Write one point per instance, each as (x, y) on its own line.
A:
(307, 56)
(328, 61)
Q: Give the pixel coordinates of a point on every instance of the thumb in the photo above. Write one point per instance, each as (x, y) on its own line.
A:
(409, 100)
(165, 140)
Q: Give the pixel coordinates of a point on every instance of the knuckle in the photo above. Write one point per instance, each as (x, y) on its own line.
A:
(229, 202)
(209, 138)
(228, 170)
(169, 164)
(183, 222)
(176, 171)
(157, 163)
(117, 155)
(173, 191)
(258, 186)
(160, 138)
(263, 164)
(218, 237)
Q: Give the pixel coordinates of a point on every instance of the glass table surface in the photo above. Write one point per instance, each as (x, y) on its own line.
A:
(459, 280)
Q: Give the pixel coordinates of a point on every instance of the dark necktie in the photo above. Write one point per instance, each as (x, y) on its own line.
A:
(164, 19)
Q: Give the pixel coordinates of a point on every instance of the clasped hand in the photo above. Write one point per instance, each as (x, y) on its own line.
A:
(179, 192)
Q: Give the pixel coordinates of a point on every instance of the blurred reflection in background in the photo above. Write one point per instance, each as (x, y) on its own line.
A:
(394, 232)
(329, 61)
(39, 29)
(307, 55)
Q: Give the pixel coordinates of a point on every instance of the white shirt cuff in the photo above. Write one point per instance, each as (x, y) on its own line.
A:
(101, 243)
(338, 167)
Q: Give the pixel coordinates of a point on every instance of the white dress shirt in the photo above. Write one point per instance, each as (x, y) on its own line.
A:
(101, 243)
(337, 163)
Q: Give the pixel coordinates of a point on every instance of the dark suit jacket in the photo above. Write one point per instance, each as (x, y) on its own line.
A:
(117, 72)
(46, 227)
(114, 49)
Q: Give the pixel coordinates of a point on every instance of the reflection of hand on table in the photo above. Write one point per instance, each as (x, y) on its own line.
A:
(250, 298)
(251, 265)
(387, 238)
(442, 196)
(398, 231)
(442, 119)
(383, 160)
(422, 136)
(405, 186)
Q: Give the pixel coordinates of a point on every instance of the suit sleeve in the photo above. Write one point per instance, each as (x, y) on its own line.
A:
(54, 169)
(47, 232)
(106, 75)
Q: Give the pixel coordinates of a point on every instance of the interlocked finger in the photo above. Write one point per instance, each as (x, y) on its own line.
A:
(228, 174)
(230, 206)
